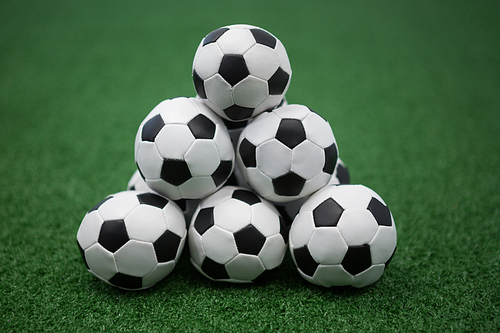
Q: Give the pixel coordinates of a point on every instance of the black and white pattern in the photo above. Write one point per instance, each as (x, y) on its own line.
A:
(188, 206)
(236, 236)
(132, 239)
(183, 150)
(343, 235)
(289, 210)
(241, 71)
(287, 153)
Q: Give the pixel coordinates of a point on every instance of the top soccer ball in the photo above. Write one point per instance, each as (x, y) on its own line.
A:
(241, 71)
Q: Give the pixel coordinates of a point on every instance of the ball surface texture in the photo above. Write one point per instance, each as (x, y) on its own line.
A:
(236, 236)
(240, 71)
(289, 210)
(343, 235)
(183, 150)
(287, 153)
(132, 239)
(187, 206)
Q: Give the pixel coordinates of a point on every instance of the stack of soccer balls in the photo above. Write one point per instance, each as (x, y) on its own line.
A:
(229, 170)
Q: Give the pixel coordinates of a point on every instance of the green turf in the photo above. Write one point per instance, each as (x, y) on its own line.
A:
(410, 88)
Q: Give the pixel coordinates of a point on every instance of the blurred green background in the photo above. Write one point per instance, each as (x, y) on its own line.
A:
(411, 89)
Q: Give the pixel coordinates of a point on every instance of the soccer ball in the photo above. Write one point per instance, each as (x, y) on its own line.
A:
(187, 206)
(132, 239)
(236, 236)
(183, 149)
(287, 153)
(241, 71)
(343, 235)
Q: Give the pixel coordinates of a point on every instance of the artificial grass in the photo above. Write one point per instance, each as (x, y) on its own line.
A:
(411, 92)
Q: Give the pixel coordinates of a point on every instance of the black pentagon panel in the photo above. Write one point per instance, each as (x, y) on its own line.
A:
(214, 35)
(113, 235)
(380, 212)
(246, 196)
(327, 213)
(166, 246)
(222, 173)
(284, 230)
(249, 240)
(247, 153)
(204, 220)
(291, 132)
(152, 200)
(126, 281)
(82, 253)
(202, 127)
(175, 172)
(199, 85)
(331, 156)
(357, 259)
(263, 37)
(238, 113)
(289, 184)
(96, 207)
(213, 269)
(182, 203)
(151, 128)
(277, 83)
(305, 262)
(233, 68)
(232, 181)
(343, 174)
